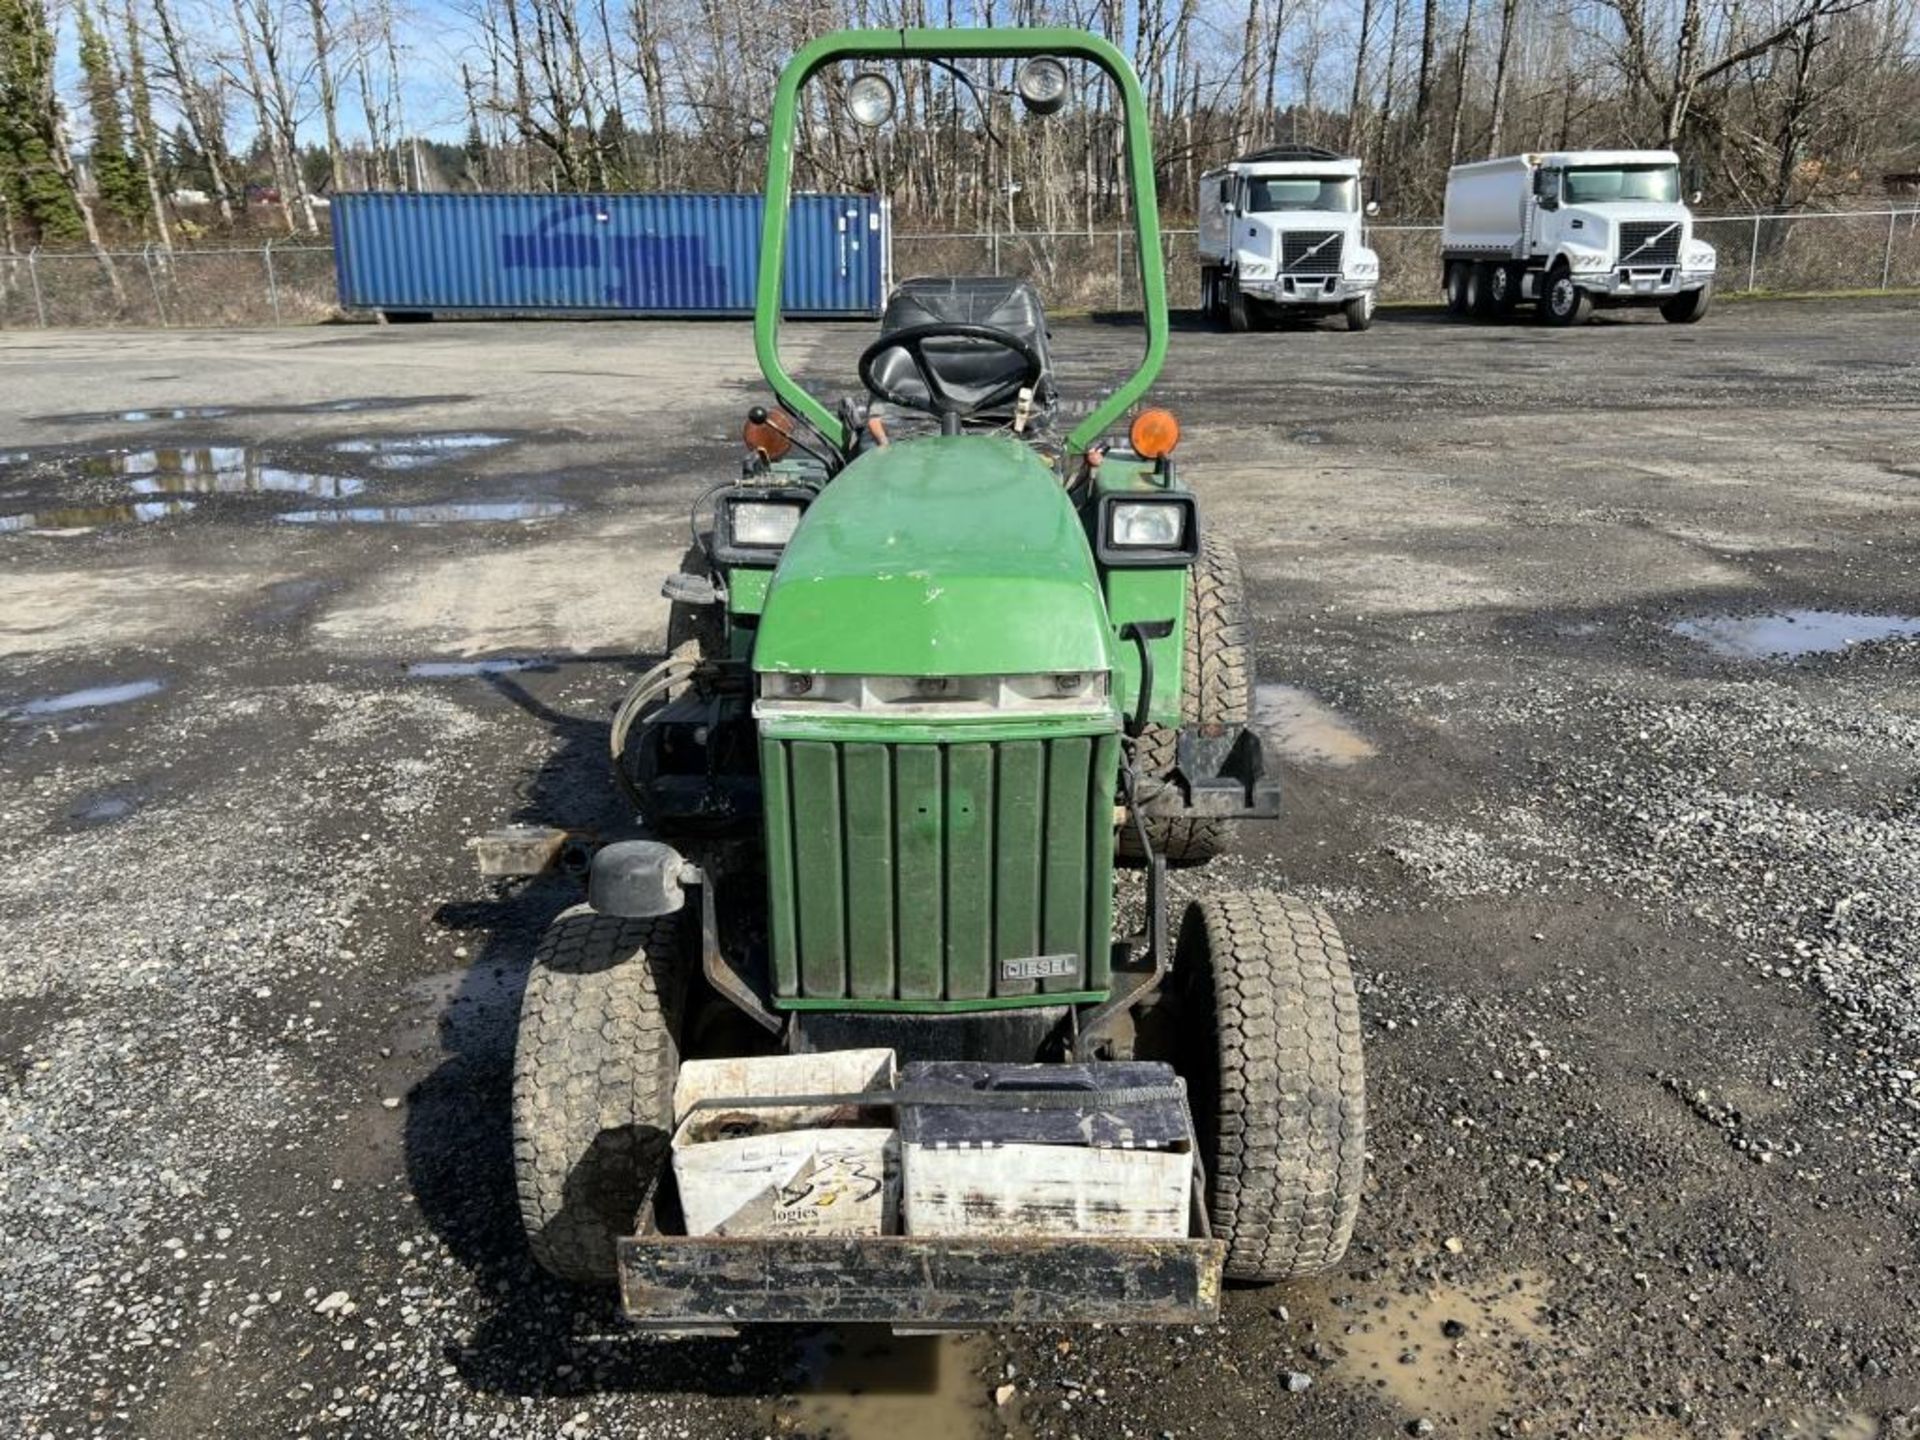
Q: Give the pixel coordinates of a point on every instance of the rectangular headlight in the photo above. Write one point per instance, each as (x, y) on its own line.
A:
(1145, 530)
(1146, 525)
(752, 525)
(765, 524)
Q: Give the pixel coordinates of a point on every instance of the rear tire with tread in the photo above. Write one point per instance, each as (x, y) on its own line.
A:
(1277, 1080)
(593, 1071)
(1480, 290)
(1216, 690)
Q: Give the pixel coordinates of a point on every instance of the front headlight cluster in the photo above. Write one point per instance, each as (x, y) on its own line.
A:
(1588, 260)
(1148, 529)
(1146, 524)
(1364, 267)
(753, 524)
(1252, 267)
(1700, 256)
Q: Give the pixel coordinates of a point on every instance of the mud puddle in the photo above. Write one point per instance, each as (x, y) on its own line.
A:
(470, 1012)
(464, 669)
(96, 697)
(1455, 1355)
(456, 512)
(1792, 634)
(216, 470)
(411, 452)
(157, 413)
(865, 1383)
(77, 519)
(90, 812)
(1300, 727)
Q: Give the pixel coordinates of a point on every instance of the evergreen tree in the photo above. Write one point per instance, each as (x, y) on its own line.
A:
(475, 165)
(185, 163)
(122, 188)
(38, 198)
(615, 150)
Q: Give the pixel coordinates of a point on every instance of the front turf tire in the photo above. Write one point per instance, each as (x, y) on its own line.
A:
(593, 1070)
(1272, 1060)
(1688, 306)
(1216, 689)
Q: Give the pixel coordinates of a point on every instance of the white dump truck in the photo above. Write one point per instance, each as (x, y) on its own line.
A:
(1570, 230)
(1280, 230)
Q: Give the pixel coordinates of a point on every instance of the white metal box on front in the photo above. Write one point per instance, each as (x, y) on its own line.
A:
(786, 1170)
(1102, 1150)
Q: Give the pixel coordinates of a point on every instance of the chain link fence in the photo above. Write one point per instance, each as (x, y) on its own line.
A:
(1872, 250)
(293, 284)
(271, 284)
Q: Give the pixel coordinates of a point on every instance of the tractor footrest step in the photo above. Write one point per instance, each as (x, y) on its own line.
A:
(671, 1282)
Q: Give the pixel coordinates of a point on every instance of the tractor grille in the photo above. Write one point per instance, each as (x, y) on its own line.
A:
(1311, 252)
(1636, 253)
(910, 872)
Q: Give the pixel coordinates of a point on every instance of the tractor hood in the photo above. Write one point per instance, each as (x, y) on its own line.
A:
(949, 555)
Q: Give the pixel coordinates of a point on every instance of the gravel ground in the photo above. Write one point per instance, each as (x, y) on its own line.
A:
(1633, 890)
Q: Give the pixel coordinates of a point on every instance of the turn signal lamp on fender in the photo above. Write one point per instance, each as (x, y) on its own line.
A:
(1154, 433)
(768, 432)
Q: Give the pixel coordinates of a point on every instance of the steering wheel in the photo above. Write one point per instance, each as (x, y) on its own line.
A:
(938, 399)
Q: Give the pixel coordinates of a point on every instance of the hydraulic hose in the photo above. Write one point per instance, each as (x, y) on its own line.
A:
(659, 681)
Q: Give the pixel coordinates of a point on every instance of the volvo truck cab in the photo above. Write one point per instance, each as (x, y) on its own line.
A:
(1570, 230)
(1282, 230)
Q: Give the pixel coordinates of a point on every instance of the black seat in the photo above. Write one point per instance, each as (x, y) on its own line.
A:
(964, 366)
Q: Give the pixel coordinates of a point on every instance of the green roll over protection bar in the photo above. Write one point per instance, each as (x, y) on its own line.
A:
(958, 45)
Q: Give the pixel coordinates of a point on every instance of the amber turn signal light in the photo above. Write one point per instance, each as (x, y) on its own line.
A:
(1154, 433)
(771, 433)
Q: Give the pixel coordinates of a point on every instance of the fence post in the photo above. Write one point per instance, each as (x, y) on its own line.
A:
(159, 305)
(273, 285)
(33, 274)
(1753, 255)
(1886, 265)
(1119, 270)
(993, 244)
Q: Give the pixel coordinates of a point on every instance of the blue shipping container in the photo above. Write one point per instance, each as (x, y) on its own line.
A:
(609, 254)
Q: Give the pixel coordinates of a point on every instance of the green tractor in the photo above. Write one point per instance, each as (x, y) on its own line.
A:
(948, 690)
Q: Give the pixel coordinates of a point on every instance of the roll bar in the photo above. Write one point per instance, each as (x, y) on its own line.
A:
(958, 45)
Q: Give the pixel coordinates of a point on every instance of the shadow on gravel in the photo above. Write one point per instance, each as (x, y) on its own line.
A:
(538, 1337)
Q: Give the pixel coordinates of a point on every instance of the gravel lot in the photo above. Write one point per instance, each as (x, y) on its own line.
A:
(1592, 659)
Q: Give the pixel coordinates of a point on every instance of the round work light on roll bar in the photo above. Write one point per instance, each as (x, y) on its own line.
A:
(1042, 83)
(870, 100)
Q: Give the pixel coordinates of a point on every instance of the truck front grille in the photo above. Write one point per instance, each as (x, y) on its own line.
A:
(1649, 244)
(1311, 252)
(914, 872)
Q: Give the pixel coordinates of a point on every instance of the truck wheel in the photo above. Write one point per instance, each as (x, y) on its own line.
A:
(1216, 690)
(1503, 289)
(1272, 1060)
(1359, 311)
(1210, 306)
(1457, 287)
(593, 1069)
(1239, 308)
(1688, 306)
(1564, 302)
(1480, 290)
